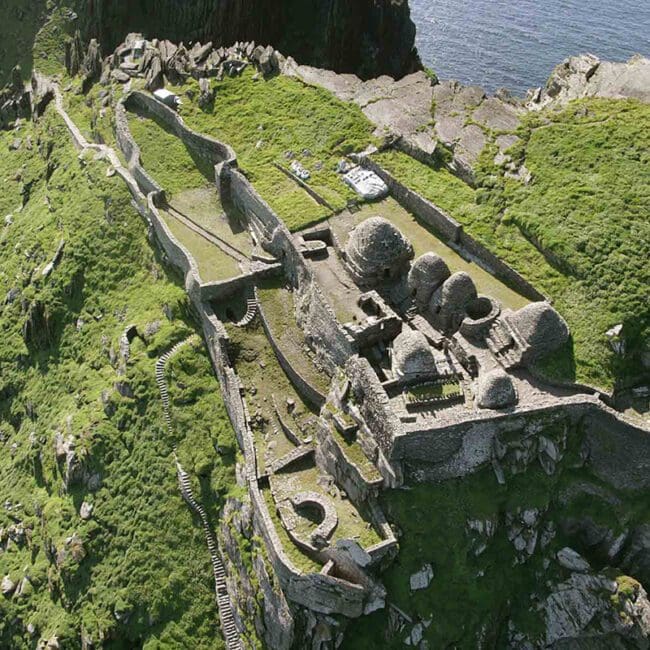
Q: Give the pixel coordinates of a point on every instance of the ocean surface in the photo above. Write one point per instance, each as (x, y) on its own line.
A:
(516, 43)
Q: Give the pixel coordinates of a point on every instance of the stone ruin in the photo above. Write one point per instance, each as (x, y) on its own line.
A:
(426, 385)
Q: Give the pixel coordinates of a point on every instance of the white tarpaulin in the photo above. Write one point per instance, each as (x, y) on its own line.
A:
(366, 183)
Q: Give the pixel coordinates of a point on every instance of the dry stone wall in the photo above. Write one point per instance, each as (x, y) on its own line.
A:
(313, 313)
(307, 391)
(320, 592)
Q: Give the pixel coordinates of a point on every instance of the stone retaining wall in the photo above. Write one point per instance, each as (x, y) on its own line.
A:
(314, 315)
(322, 593)
(204, 146)
(223, 289)
(452, 232)
(318, 591)
(307, 391)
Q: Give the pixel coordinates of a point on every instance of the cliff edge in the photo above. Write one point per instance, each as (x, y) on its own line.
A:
(367, 37)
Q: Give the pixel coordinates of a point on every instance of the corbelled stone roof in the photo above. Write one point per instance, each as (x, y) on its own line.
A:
(375, 245)
(412, 355)
(458, 291)
(540, 326)
(428, 272)
(496, 390)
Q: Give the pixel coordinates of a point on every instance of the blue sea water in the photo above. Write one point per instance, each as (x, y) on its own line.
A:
(516, 43)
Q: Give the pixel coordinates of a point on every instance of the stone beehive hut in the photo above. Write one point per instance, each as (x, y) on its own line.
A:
(428, 272)
(377, 252)
(539, 330)
(496, 390)
(449, 304)
(412, 357)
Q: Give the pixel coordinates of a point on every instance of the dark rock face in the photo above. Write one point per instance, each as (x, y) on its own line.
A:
(367, 37)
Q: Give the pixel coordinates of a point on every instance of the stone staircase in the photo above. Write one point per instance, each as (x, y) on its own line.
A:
(251, 312)
(228, 626)
(162, 382)
(503, 349)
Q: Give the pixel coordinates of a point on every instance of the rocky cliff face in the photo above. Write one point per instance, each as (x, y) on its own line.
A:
(368, 37)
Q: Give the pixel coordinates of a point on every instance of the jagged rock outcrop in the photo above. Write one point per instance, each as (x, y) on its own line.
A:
(368, 37)
(587, 76)
(593, 611)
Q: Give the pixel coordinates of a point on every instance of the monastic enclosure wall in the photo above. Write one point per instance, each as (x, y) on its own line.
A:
(452, 232)
(429, 213)
(322, 593)
(223, 289)
(210, 149)
(374, 404)
(318, 591)
(617, 451)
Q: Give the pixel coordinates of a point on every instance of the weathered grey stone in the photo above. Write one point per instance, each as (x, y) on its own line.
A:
(421, 579)
(7, 586)
(572, 560)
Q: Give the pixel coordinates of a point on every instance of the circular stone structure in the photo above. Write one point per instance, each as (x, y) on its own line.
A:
(496, 390)
(377, 251)
(428, 272)
(479, 316)
(449, 303)
(412, 357)
(540, 327)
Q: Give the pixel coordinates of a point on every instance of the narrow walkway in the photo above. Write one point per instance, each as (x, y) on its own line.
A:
(229, 629)
(227, 248)
(228, 626)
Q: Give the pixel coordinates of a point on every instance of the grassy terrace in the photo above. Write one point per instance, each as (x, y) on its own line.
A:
(187, 184)
(352, 450)
(262, 120)
(424, 239)
(165, 156)
(214, 265)
(203, 207)
(58, 374)
(279, 309)
(579, 231)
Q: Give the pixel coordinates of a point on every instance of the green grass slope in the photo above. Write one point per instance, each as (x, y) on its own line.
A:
(137, 573)
(262, 120)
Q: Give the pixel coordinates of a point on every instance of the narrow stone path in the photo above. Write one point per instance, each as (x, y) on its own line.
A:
(228, 626)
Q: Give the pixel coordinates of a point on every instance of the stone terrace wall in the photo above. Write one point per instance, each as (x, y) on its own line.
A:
(374, 404)
(211, 150)
(452, 231)
(321, 592)
(306, 390)
(313, 313)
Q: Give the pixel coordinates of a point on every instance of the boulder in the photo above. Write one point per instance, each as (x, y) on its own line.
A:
(592, 611)
(206, 93)
(7, 586)
(572, 560)
(421, 579)
(268, 62)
